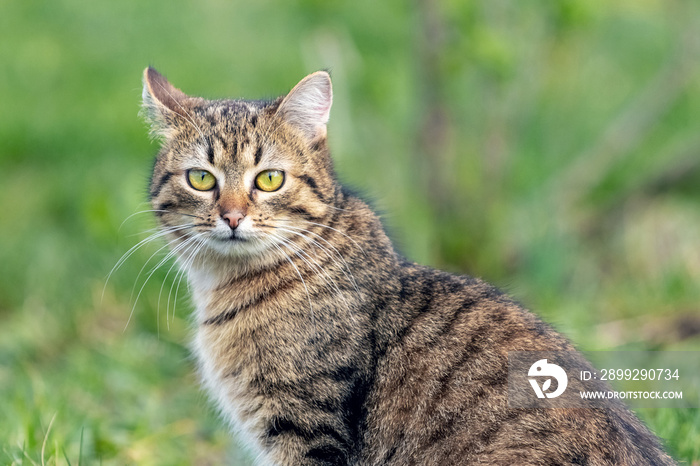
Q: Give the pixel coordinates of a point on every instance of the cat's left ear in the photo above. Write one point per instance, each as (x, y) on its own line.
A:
(308, 105)
(163, 103)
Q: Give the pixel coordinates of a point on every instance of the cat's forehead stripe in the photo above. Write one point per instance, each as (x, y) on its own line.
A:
(222, 143)
(258, 154)
(210, 151)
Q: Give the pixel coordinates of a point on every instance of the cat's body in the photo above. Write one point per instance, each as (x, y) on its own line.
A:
(320, 344)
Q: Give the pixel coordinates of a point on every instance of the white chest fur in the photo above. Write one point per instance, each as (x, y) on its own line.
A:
(231, 393)
(220, 356)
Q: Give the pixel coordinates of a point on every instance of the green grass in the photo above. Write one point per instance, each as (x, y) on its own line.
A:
(564, 169)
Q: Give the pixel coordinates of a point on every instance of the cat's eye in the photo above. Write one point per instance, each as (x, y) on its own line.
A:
(201, 180)
(269, 180)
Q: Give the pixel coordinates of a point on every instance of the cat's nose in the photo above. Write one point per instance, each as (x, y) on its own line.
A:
(233, 218)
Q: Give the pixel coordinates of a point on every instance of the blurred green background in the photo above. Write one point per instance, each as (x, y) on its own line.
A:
(550, 147)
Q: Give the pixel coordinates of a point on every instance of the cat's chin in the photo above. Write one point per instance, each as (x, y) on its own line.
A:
(237, 247)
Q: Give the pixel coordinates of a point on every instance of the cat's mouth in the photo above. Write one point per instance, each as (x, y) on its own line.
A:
(237, 244)
(232, 237)
(236, 237)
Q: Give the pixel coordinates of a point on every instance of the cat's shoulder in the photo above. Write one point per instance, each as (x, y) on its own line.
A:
(470, 302)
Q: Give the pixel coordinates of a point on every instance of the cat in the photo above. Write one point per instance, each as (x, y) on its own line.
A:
(317, 341)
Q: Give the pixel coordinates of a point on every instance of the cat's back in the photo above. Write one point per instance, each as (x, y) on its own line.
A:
(440, 392)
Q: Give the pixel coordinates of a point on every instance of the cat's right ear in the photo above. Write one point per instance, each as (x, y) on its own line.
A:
(162, 103)
(308, 105)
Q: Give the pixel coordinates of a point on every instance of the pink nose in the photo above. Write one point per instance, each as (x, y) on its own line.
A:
(233, 218)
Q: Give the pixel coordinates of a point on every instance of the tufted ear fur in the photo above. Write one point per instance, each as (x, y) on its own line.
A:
(162, 102)
(308, 105)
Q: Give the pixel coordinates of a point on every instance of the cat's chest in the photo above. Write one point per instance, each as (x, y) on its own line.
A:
(228, 368)
(253, 340)
(227, 354)
(225, 344)
(239, 353)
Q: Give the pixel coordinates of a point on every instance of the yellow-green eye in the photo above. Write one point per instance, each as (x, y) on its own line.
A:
(269, 180)
(201, 180)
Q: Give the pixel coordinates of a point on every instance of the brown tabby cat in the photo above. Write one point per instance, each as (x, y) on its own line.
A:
(321, 344)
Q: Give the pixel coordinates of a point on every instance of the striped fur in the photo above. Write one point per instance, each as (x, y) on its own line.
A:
(319, 343)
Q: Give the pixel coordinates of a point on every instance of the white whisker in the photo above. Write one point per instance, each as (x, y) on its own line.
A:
(133, 249)
(143, 267)
(199, 245)
(346, 267)
(308, 295)
(296, 249)
(336, 230)
(316, 266)
(168, 256)
(153, 210)
(160, 293)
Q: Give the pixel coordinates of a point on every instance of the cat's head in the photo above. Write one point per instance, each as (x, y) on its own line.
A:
(237, 177)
